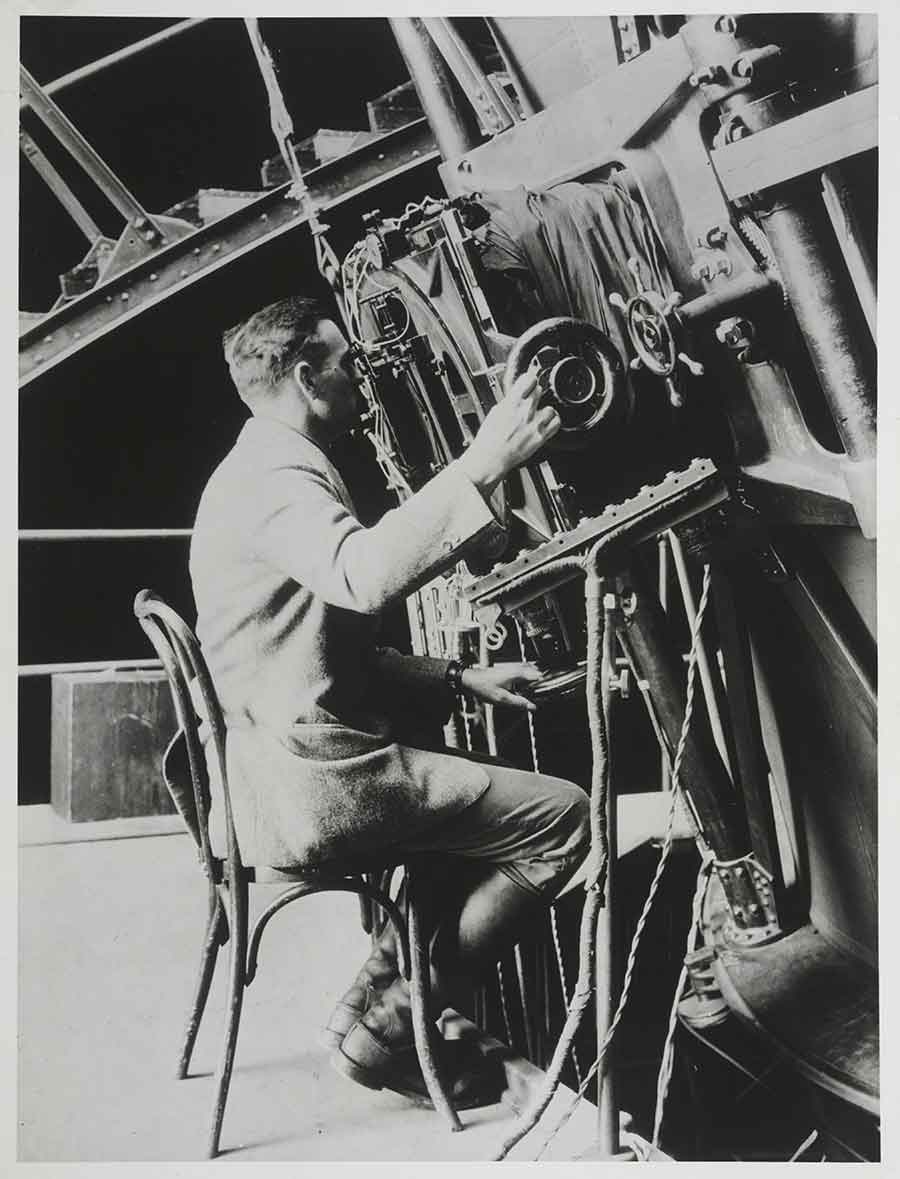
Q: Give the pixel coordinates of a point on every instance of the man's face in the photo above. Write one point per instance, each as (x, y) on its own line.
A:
(336, 385)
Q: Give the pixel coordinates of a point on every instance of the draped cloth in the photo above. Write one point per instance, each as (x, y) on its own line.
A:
(565, 250)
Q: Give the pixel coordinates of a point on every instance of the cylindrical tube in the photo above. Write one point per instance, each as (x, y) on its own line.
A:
(813, 270)
(453, 122)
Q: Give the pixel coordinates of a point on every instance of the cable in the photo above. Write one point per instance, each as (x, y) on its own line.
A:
(667, 1063)
(654, 884)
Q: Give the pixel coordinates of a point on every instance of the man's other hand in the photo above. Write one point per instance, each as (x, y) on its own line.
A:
(502, 684)
(514, 429)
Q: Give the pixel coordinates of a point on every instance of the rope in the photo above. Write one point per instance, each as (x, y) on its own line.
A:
(554, 930)
(654, 884)
(597, 686)
(667, 1062)
(283, 129)
(503, 1007)
(531, 730)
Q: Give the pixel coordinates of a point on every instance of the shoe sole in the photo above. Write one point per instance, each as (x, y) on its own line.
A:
(372, 1079)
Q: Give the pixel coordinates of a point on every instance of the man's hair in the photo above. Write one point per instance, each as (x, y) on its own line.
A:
(263, 350)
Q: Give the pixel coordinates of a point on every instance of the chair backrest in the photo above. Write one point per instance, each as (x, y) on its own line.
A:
(176, 645)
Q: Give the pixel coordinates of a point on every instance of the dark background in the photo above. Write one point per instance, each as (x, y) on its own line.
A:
(125, 433)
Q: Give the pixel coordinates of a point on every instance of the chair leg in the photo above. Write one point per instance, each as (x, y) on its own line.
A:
(423, 1028)
(237, 920)
(216, 935)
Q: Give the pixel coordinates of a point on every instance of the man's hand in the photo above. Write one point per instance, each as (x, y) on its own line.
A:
(513, 430)
(499, 684)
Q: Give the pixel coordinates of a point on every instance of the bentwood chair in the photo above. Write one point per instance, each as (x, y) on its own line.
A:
(229, 878)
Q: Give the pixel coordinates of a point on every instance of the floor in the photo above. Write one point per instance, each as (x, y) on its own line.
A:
(109, 935)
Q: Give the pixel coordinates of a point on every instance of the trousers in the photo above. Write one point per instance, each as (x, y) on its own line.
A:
(534, 828)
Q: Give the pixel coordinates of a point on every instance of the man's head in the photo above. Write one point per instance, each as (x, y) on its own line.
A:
(291, 361)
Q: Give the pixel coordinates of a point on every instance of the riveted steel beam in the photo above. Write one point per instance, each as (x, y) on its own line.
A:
(73, 326)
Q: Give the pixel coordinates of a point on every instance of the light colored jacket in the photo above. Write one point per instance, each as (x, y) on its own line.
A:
(288, 586)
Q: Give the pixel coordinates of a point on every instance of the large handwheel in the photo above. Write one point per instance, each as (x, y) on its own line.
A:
(580, 373)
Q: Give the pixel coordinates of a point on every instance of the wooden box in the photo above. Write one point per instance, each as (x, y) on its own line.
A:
(108, 735)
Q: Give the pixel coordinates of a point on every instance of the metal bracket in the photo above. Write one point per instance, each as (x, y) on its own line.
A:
(749, 894)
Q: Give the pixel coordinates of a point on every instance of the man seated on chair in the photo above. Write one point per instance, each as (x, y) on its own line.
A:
(288, 586)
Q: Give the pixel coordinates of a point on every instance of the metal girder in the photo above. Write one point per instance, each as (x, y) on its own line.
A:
(65, 331)
(123, 54)
(806, 143)
(567, 139)
(59, 188)
(117, 193)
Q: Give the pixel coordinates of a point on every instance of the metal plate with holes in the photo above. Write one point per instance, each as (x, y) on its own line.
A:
(679, 495)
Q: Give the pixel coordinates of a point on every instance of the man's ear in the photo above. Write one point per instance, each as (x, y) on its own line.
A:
(305, 377)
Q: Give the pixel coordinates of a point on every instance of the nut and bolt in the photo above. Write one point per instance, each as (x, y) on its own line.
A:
(735, 333)
(748, 63)
(706, 75)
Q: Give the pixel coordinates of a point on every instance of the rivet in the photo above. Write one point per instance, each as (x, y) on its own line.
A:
(154, 277)
(196, 251)
(182, 274)
(76, 335)
(48, 339)
(125, 296)
(216, 248)
(264, 217)
(109, 298)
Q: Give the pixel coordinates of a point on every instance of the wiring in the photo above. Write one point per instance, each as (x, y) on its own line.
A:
(654, 884)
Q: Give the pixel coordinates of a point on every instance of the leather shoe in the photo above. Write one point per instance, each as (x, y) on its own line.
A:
(376, 974)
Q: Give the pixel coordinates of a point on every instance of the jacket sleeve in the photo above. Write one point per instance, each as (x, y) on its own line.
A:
(307, 531)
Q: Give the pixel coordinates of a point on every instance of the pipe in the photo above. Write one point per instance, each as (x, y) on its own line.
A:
(605, 990)
(59, 188)
(106, 665)
(105, 533)
(845, 222)
(703, 665)
(812, 267)
(453, 122)
(718, 807)
(120, 55)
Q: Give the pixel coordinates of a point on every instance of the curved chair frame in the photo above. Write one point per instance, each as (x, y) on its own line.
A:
(229, 878)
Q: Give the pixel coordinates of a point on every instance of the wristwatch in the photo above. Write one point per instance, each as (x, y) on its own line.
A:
(453, 674)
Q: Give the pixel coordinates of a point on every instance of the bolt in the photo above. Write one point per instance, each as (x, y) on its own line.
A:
(140, 222)
(706, 75)
(725, 874)
(738, 912)
(736, 333)
(149, 236)
(754, 908)
(747, 64)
